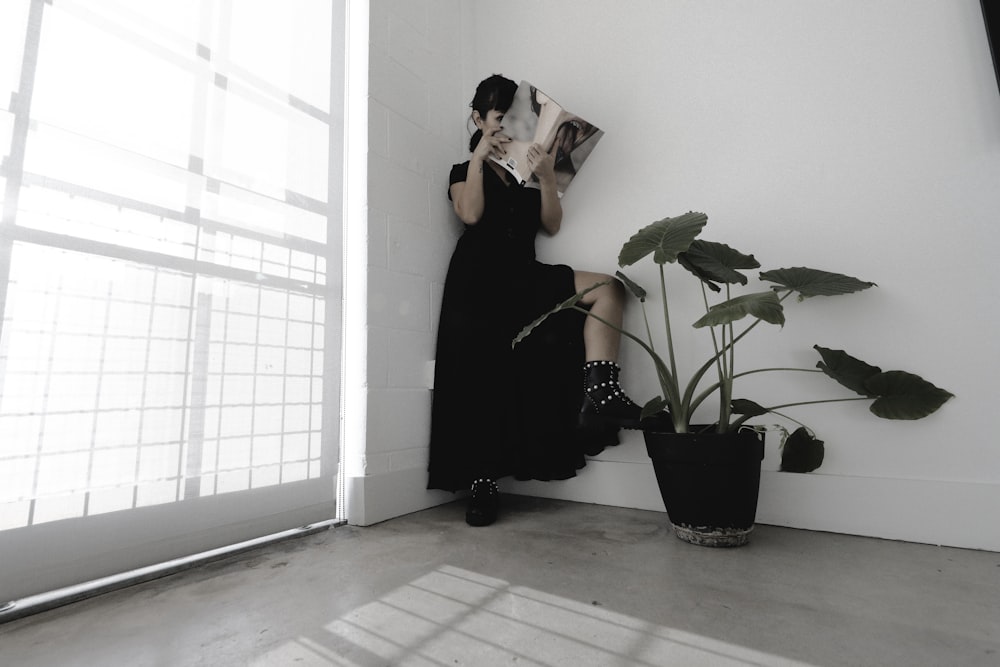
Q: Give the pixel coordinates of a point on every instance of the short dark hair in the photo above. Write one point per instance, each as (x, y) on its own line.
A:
(493, 92)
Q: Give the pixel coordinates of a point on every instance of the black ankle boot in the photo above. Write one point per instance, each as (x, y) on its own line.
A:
(484, 503)
(604, 401)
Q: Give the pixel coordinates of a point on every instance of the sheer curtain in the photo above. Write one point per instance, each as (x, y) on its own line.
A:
(169, 279)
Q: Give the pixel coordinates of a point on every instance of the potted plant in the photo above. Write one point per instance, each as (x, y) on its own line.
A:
(709, 474)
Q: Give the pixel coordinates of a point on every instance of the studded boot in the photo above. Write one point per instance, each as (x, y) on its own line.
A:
(604, 401)
(484, 503)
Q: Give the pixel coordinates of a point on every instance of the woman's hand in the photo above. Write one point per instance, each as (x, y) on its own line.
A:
(542, 164)
(491, 144)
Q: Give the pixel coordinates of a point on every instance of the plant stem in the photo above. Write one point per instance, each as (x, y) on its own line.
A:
(757, 321)
(708, 307)
(767, 370)
(791, 419)
(826, 400)
(720, 358)
(676, 405)
(693, 383)
(739, 422)
(728, 368)
(645, 318)
(666, 322)
(697, 401)
(774, 410)
(696, 378)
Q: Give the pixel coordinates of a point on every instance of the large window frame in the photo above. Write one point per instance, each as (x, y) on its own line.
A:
(245, 273)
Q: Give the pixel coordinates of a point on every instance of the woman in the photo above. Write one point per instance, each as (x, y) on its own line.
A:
(500, 411)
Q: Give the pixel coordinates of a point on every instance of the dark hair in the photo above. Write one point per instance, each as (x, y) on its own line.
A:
(494, 92)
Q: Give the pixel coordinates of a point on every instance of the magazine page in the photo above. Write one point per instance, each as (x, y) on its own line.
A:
(535, 117)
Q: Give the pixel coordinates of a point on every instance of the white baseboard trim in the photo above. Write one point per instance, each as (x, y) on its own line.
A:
(616, 483)
(954, 514)
(376, 498)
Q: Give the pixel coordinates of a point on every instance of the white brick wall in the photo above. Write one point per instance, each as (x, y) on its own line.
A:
(415, 115)
(794, 152)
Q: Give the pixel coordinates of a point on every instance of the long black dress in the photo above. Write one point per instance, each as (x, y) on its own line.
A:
(499, 411)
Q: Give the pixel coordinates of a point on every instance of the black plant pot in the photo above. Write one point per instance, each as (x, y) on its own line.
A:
(709, 482)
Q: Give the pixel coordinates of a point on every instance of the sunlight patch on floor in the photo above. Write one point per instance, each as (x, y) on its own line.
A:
(453, 616)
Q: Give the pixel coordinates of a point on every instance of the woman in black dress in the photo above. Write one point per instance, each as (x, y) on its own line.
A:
(499, 411)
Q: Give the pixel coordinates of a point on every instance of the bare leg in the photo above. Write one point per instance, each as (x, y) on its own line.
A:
(607, 302)
(605, 403)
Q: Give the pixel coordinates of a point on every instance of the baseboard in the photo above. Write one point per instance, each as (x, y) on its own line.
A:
(376, 498)
(616, 483)
(955, 514)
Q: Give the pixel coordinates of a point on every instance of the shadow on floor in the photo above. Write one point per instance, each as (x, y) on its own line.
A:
(552, 583)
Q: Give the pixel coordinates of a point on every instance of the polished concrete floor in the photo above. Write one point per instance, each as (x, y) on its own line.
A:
(552, 583)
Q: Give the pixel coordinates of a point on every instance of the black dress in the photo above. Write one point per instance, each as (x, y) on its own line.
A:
(499, 411)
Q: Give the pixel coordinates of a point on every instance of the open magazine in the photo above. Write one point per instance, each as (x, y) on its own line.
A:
(534, 117)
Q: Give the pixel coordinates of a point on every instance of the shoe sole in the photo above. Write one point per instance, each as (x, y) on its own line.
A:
(479, 523)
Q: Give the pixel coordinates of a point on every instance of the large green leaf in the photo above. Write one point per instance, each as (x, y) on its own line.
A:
(744, 406)
(903, 395)
(802, 452)
(716, 263)
(638, 291)
(764, 305)
(653, 407)
(664, 238)
(565, 305)
(814, 282)
(847, 370)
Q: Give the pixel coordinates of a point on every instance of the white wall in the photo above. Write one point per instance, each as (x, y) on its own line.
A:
(857, 137)
(415, 86)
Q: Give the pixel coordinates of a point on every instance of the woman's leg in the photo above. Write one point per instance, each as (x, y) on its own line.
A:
(607, 302)
(605, 404)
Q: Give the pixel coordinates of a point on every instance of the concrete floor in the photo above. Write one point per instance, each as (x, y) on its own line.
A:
(552, 583)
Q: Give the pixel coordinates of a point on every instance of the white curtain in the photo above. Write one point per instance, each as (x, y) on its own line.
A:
(169, 279)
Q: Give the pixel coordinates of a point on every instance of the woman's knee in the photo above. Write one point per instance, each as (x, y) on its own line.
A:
(613, 290)
(590, 278)
(617, 287)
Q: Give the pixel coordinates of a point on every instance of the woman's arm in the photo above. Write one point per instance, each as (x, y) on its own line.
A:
(467, 197)
(542, 164)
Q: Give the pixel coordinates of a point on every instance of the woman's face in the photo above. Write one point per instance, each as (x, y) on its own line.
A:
(493, 120)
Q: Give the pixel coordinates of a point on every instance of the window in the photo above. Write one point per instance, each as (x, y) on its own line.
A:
(169, 270)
